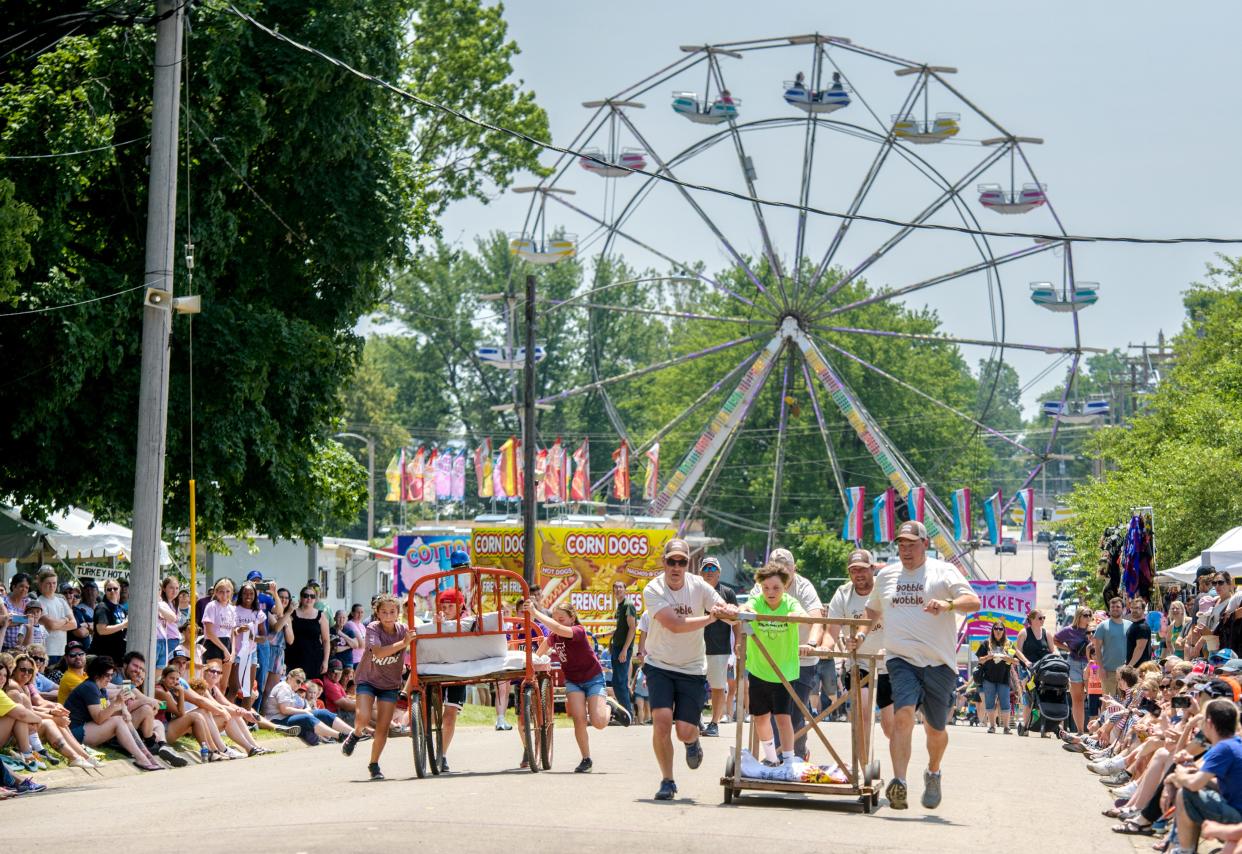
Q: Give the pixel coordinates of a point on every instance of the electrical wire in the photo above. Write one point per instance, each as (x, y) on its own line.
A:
(72, 153)
(74, 304)
(706, 188)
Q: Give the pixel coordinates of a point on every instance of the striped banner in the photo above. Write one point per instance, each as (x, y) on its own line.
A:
(1026, 497)
(855, 508)
(916, 501)
(992, 515)
(962, 528)
(884, 517)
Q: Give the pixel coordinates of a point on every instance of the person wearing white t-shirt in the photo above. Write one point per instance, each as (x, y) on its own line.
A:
(681, 605)
(57, 616)
(849, 602)
(917, 602)
(809, 637)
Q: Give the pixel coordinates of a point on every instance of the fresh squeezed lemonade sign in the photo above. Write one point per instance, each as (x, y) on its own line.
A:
(579, 566)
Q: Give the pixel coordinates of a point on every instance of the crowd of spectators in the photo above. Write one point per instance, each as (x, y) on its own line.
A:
(70, 690)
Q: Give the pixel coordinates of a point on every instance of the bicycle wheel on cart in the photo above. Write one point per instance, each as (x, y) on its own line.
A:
(435, 728)
(418, 734)
(547, 722)
(526, 724)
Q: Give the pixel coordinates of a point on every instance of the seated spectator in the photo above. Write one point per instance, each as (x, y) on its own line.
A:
(233, 718)
(196, 703)
(16, 721)
(53, 727)
(92, 724)
(44, 684)
(11, 786)
(285, 707)
(1213, 791)
(334, 697)
(74, 675)
(144, 709)
(177, 718)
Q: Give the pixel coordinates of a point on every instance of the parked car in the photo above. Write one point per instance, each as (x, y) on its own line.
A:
(1007, 545)
(1058, 539)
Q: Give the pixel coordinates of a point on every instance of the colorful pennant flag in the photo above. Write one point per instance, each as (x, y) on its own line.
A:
(916, 500)
(554, 477)
(459, 475)
(429, 476)
(992, 515)
(541, 475)
(498, 480)
(509, 468)
(855, 508)
(962, 527)
(415, 471)
(621, 472)
(483, 469)
(444, 475)
(884, 516)
(1026, 497)
(580, 486)
(393, 474)
(651, 482)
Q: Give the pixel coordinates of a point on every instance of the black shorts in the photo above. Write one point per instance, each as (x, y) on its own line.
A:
(768, 697)
(455, 695)
(883, 689)
(684, 693)
(213, 653)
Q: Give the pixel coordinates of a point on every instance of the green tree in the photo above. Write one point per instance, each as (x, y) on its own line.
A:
(820, 553)
(307, 186)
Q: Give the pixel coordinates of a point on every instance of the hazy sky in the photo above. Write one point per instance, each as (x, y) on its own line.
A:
(1133, 100)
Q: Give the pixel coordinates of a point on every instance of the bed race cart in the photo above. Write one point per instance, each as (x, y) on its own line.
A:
(857, 777)
(482, 647)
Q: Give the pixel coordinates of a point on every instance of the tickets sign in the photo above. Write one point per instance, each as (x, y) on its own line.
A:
(1009, 601)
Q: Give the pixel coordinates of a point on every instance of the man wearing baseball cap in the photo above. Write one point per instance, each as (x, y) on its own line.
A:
(718, 639)
(681, 606)
(850, 603)
(918, 601)
(809, 637)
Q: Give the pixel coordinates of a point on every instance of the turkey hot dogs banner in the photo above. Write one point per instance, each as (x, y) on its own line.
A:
(578, 566)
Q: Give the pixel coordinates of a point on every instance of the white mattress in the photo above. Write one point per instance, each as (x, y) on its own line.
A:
(514, 660)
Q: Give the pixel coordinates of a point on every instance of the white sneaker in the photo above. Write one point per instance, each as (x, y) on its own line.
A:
(1127, 791)
(232, 753)
(1105, 767)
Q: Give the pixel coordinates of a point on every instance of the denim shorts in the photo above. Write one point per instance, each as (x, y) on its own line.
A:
(930, 687)
(593, 687)
(994, 692)
(1078, 671)
(79, 732)
(384, 695)
(1208, 805)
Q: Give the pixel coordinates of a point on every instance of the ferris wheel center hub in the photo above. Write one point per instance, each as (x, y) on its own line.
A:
(790, 326)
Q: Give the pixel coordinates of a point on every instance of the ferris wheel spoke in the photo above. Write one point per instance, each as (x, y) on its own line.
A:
(649, 369)
(949, 339)
(875, 369)
(697, 208)
(808, 167)
(823, 431)
(655, 312)
(894, 293)
(947, 196)
(769, 248)
(899, 472)
(782, 423)
(673, 494)
(686, 413)
(681, 266)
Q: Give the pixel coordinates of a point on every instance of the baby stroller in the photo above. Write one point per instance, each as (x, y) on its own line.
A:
(1050, 695)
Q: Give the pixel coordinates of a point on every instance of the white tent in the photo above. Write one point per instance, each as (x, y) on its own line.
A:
(1225, 553)
(75, 535)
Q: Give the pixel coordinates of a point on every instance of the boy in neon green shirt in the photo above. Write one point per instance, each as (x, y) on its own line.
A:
(768, 697)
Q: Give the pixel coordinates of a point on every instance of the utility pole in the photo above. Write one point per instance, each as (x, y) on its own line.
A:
(370, 442)
(157, 314)
(528, 436)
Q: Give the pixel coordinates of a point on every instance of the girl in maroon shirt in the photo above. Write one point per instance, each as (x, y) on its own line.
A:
(379, 677)
(584, 676)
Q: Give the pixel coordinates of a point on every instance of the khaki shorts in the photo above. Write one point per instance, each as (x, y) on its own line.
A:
(1108, 680)
(718, 672)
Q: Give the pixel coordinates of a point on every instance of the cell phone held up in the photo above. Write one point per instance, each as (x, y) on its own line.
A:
(1181, 701)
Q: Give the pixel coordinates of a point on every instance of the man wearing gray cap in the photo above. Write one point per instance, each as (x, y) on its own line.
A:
(918, 601)
(850, 603)
(681, 606)
(809, 637)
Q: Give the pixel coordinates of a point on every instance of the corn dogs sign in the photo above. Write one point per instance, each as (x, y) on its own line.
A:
(578, 566)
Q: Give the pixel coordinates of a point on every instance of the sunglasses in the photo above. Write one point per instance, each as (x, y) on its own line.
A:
(112, 590)
(214, 672)
(309, 596)
(75, 655)
(1220, 582)
(25, 670)
(38, 659)
(1037, 618)
(676, 561)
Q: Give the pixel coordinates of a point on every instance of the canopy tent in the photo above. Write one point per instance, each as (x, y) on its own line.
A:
(1225, 553)
(71, 535)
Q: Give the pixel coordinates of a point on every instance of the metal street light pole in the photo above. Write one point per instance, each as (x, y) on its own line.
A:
(370, 479)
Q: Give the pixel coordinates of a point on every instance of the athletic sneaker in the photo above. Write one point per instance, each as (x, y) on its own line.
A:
(620, 713)
(896, 794)
(348, 745)
(503, 726)
(444, 769)
(1118, 779)
(584, 766)
(294, 731)
(234, 753)
(667, 790)
(30, 787)
(1127, 791)
(376, 774)
(694, 754)
(1107, 766)
(931, 790)
(171, 756)
(711, 731)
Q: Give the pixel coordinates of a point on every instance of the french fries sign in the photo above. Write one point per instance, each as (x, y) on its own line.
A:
(579, 565)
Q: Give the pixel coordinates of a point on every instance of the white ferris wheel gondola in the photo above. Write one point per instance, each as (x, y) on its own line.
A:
(597, 162)
(1063, 298)
(828, 100)
(997, 198)
(531, 248)
(721, 109)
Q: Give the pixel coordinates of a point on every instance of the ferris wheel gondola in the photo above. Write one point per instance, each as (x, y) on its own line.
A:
(1065, 297)
(829, 100)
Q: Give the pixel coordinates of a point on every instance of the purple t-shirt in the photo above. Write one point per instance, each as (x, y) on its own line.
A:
(1074, 638)
(382, 673)
(576, 656)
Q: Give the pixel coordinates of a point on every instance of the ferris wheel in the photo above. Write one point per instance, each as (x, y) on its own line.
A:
(741, 147)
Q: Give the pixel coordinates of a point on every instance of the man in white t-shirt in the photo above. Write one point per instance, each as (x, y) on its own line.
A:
(809, 637)
(57, 616)
(681, 605)
(918, 601)
(849, 602)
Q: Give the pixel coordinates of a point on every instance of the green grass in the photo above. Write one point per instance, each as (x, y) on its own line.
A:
(472, 715)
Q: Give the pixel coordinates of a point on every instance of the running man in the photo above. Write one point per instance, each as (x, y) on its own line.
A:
(681, 606)
(719, 639)
(918, 601)
(850, 603)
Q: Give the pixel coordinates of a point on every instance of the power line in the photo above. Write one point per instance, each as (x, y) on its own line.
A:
(71, 153)
(73, 304)
(706, 188)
